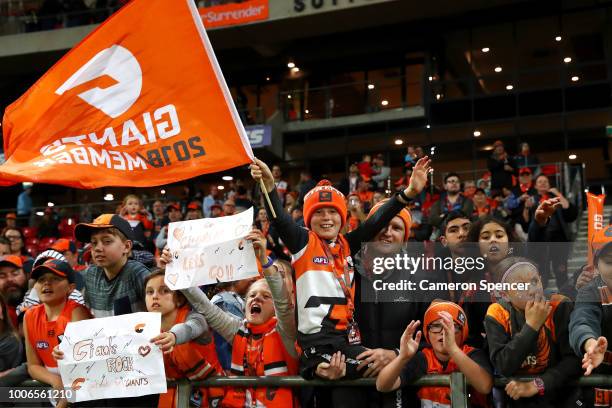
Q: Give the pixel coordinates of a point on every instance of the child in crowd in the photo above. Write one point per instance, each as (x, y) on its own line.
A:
(528, 335)
(138, 217)
(114, 284)
(185, 340)
(446, 328)
(591, 320)
(263, 344)
(365, 168)
(45, 324)
(323, 263)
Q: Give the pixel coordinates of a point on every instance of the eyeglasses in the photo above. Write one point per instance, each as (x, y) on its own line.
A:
(437, 328)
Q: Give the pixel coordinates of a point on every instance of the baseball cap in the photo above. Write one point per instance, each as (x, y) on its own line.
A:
(194, 205)
(11, 260)
(63, 245)
(11, 216)
(525, 170)
(174, 206)
(83, 231)
(56, 267)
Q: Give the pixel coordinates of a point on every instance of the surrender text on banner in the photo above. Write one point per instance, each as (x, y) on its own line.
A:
(210, 250)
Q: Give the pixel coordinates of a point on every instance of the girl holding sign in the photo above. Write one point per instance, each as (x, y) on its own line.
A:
(187, 343)
(263, 343)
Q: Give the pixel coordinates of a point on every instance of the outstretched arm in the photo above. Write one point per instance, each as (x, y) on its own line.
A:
(294, 237)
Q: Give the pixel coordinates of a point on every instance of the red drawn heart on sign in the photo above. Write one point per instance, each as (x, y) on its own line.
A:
(172, 278)
(178, 233)
(144, 350)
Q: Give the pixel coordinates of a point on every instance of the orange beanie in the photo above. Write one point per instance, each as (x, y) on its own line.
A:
(324, 195)
(431, 315)
(404, 214)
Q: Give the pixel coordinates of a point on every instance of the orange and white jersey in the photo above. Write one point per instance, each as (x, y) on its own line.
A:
(322, 307)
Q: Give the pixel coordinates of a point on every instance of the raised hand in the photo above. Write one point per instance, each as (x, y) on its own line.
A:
(546, 209)
(409, 343)
(449, 343)
(260, 170)
(259, 244)
(418, 179)
(595, 351)
(536, 312)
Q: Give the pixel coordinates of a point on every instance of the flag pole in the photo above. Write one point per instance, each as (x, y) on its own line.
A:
(265, 192)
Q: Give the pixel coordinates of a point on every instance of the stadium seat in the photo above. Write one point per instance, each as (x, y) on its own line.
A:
(33, 241)
(30, 232)
(46, 242)
(32, 250)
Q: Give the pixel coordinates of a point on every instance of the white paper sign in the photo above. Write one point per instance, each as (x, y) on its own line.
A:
(112, 357)
(210, 250)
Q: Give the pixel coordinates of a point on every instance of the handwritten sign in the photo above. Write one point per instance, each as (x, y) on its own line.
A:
(112, 357)
(210, 250)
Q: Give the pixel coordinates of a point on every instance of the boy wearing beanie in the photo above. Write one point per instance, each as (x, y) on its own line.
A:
(445, 328)
(323, 261)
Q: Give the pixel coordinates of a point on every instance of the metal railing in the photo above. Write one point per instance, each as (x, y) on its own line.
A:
(456, 381)
(351, 98)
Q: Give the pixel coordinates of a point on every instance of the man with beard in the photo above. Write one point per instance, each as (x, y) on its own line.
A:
(13, 283)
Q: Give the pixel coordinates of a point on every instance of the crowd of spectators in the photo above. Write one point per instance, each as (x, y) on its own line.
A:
(107, 268)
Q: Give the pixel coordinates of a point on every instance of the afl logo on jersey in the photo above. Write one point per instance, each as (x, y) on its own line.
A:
(42, 345)
(320, 260)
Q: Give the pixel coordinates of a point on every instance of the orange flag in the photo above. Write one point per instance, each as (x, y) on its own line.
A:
(595, 208)
(141, 101)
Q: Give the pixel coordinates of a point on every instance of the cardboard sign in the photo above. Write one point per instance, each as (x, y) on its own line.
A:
(112, 357)
(210, 250)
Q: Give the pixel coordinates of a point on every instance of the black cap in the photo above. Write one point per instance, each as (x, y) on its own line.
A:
(56, 267)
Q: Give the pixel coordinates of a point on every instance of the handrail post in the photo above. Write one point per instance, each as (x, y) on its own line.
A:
(458, 387)
(183, 392)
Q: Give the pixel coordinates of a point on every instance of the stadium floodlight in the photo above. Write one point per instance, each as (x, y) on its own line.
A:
(428, 126)
(291, 64)
(306, 111)
(575, 78)
(163, 192)
(399, 142)
(558, 38)
(572, 156)
(384, 102)
(486, 49)
(40, 213)
(227, 178)
(477, 133)
(50, 204)
(220, 187)
(371, 86)
(509, 87)
(498, 69)
(567, 60)
(109, 197)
